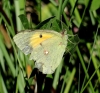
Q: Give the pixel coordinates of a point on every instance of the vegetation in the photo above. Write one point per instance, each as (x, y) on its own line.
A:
(79, 71)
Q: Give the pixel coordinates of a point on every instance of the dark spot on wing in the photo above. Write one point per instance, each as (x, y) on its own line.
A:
(40, 36)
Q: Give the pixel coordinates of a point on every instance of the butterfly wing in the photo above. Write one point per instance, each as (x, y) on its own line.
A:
(46, 47)
(49, 53)
(22, 41)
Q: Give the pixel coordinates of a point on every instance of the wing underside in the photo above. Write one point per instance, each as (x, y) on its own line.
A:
(48, 54)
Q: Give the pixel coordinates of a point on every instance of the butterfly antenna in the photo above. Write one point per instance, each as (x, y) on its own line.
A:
(71, 42)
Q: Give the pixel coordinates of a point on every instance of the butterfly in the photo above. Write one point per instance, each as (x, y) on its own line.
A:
(46, 47)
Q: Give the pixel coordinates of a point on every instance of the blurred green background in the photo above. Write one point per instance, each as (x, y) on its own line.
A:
(79, 72)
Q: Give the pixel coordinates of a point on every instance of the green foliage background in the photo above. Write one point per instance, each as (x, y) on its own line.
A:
(79, 70)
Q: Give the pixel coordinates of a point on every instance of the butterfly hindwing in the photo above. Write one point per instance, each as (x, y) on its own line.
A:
(49, 53)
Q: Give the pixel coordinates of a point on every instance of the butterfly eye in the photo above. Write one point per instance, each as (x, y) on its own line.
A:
(40, 35)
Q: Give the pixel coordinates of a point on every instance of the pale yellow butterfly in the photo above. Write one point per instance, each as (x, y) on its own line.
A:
(45, 46)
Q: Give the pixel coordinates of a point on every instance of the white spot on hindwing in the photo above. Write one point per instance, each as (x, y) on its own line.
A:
(46, 52)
